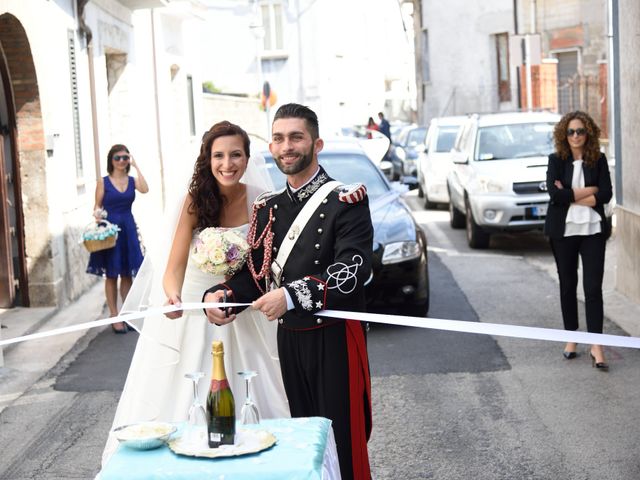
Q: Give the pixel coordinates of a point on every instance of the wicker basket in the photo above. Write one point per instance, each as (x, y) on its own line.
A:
(97, 245)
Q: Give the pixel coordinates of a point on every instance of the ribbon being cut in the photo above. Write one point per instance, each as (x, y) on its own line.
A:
(504, 330)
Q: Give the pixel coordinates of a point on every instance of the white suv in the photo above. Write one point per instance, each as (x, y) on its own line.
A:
(498, 179)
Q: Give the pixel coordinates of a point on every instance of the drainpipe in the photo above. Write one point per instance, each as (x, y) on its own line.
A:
(614, 89)
(157, 105)
(86, 31)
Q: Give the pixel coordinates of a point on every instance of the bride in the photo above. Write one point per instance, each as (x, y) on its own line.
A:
(222, 189)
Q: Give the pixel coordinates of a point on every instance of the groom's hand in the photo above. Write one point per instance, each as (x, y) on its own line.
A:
(273, 304)
(217, 315)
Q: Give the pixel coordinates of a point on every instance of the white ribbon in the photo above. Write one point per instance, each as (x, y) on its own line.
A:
(533, 333)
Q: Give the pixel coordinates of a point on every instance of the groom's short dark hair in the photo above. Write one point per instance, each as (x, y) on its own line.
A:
(295, 110)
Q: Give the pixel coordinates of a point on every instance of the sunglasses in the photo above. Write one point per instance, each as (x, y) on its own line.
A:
(577, 131)
(121, 158)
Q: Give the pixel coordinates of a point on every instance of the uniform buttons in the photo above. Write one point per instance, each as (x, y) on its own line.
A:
(275, 249)
(273, 219)
(317, 245)
(280, 321)
(320, 231)
(324, 201)
(322, 215)
(316, 262)
(275, 206)
(318, 321)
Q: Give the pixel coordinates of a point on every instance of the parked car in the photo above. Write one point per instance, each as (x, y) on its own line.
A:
(400, 277)
(498, 180)
(434, 163)
(404, 151)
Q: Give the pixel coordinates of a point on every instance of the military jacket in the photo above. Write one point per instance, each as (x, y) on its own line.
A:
(330, 261)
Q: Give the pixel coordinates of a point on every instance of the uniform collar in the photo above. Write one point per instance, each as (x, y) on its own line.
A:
(309, 188)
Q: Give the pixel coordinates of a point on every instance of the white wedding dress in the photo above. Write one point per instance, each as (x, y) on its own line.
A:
(156, 388)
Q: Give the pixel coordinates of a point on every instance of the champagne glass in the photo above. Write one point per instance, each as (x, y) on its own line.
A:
(197, 418)
(249, 413)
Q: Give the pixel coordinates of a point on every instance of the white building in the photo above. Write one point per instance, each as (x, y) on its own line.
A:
(346, 60)
(75, 78)
(462, 57)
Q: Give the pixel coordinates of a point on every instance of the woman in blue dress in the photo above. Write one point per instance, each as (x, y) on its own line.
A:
(115, 194)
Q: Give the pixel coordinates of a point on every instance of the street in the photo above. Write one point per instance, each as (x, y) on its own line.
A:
(445, 405)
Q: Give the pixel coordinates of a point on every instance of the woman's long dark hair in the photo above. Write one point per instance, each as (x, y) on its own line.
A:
(204, 189)
(591, 149)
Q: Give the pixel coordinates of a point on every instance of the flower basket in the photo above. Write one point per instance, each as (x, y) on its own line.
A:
(100, 236)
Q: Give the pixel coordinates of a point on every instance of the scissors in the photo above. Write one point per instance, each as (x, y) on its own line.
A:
(224, 300)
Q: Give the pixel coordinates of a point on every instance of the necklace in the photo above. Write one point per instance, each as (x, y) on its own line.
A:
(266, 241)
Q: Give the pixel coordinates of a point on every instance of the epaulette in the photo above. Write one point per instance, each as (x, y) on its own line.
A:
(262, 199)
(352, 193)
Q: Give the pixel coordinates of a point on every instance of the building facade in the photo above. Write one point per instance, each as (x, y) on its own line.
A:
(346, 60)
(627, 18)
(462, 57)
(75, 78)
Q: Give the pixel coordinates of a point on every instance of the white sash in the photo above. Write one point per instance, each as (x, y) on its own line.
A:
(290, 239)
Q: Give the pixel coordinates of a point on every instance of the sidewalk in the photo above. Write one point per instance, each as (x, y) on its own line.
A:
(26, 363)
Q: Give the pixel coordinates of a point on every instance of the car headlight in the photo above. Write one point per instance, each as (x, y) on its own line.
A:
(489, 185)
(400, 252)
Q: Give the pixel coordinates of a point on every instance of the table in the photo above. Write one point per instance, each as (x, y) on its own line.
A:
(305, 449)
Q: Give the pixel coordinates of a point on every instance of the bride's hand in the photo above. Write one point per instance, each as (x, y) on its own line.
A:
(173, 300)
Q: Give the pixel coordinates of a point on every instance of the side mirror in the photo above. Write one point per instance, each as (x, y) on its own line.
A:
(386, 167)
(459, 158)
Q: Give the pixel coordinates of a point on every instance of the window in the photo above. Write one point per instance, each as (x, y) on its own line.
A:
(272, 22)
(426, 75)
(502, 54)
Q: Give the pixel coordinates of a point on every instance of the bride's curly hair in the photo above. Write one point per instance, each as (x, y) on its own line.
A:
(591, 149)
(206, 199)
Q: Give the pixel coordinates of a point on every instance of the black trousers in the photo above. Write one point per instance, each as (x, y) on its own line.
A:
(319, 380)
(590, 248)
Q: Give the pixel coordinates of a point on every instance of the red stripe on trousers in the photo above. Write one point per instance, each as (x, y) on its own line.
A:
(359, 383)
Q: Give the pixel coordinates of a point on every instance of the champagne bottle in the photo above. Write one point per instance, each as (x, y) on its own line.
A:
(221, 409)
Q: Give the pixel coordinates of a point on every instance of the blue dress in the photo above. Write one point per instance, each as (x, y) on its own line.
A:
(125, 258)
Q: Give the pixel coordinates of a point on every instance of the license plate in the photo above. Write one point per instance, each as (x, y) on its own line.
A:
(539, 211)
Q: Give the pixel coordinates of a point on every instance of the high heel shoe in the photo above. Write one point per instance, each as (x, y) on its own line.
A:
(118, 330)
(569, 355)
(602, 366)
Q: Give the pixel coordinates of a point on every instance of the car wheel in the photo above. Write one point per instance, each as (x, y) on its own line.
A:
(418, 310)
(428, 204)
(476, 236)
(456, 217)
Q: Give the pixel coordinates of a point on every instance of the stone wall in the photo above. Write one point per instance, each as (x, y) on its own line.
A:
(628, 211)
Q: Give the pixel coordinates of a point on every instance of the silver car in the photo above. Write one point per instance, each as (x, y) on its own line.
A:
(498, 179)
(434, 164)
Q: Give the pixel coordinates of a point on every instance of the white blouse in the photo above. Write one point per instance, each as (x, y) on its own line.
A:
(581, 220)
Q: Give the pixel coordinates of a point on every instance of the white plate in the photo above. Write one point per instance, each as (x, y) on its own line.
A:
(246, 441)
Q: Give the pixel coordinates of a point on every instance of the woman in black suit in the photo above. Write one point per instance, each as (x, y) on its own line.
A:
(579, 186)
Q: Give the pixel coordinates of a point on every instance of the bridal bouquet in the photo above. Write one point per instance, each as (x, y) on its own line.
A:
(219, 251)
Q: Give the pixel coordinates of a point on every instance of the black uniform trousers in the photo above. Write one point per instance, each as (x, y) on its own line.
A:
(590, 248)
(323, 376)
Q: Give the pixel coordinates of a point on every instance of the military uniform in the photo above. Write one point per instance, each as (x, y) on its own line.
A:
(323, 360)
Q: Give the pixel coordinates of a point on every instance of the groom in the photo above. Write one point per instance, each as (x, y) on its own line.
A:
(324, 361)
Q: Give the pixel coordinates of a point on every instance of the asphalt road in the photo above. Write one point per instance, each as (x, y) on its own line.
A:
(445, 405)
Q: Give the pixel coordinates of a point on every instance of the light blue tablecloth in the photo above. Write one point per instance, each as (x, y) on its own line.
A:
(298, 454)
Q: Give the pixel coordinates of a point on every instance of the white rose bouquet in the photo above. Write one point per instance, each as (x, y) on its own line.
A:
(219, 251)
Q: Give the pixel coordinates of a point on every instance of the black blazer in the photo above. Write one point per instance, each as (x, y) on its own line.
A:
(561, 198)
